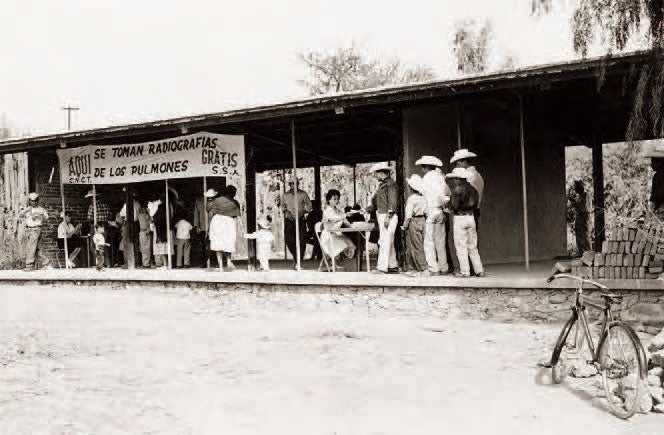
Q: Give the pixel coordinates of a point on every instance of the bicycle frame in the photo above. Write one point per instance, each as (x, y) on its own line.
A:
(579, 314)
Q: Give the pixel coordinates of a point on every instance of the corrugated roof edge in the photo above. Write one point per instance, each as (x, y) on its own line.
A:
(315, 103)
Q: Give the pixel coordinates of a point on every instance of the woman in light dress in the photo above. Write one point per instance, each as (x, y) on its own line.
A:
(223, 212)
(334, 243)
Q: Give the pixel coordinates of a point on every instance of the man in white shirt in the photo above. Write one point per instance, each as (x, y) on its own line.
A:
(35, 217)
(462, 159)
(183, 243)
(436, 194)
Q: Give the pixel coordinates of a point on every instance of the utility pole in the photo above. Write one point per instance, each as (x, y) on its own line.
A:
(69, 109)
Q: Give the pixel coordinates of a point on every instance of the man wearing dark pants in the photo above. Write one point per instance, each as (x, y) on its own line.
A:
(288, 204)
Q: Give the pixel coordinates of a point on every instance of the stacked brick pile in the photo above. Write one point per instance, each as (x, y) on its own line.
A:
(628, 253)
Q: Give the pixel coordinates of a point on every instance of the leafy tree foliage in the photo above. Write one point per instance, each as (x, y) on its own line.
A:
(614, 23)
(347, 69)
(471, 45)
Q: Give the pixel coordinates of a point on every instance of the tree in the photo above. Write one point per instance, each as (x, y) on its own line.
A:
(614, 23)
(471, 45)
(347, 69)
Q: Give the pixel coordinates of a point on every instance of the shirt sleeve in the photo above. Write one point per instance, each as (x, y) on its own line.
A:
(410, 205)
(197, 210)
(392, 198)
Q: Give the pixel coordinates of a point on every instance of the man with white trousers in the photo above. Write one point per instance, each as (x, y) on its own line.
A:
(386, 204)
(436, 194)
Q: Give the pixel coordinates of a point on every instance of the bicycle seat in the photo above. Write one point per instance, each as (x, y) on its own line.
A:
(612, 298)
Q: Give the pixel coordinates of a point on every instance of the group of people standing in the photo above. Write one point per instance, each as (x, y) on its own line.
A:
(431, 211)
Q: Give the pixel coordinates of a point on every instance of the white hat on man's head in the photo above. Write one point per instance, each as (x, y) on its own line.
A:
(459, 173)
(429, 161)
(415, 181)
(462, 154)
(89, 194)
(33, 196)
(210, 193)
(382, 166)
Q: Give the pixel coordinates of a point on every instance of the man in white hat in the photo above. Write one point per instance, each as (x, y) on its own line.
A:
(435, 191)
(386, 204)
(288, 204)
(462, 159)
(413, 226)
(35, 217)
(463, 202)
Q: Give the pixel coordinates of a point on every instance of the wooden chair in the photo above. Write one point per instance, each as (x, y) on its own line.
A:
(318, 228)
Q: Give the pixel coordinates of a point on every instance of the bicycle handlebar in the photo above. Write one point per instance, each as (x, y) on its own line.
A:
(576, 278)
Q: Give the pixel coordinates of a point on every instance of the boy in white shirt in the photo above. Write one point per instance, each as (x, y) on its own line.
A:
(264, 239)
(183, 242)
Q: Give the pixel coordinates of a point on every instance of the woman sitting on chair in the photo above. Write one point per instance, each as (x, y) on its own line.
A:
(334, 243)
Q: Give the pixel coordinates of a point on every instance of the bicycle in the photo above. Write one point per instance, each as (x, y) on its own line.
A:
(619, 356)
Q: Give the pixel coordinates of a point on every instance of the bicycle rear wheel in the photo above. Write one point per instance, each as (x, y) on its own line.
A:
(621, 364)
(565, 350)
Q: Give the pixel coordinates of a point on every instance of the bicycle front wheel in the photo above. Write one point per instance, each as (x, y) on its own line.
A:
(620, 359)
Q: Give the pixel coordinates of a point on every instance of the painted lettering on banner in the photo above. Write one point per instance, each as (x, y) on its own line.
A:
(194, 155)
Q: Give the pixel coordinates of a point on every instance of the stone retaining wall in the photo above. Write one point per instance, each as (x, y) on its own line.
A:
(505, 305)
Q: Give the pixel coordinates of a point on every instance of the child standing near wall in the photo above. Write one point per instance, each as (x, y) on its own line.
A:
(463, 202)
(100, 242)
(183, 242)
(264, 239)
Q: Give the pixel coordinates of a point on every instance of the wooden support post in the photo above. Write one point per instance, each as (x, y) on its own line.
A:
(458, 125)
(206, 231)
(94, 206)
(64, 218)
(168, 225)
(354, 184)
(598, 193)
(526, 247)
(317, 186)
(130, 245)
(283, 217)
(297, 187)
(250, 198)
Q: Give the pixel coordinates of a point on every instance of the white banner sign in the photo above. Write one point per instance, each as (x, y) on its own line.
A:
(194, 155)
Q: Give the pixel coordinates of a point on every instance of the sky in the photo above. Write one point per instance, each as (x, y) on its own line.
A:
(124, 61)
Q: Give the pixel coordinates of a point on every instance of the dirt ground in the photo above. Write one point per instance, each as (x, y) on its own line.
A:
(98, 360)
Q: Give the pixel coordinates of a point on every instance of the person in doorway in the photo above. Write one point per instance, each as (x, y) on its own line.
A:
(656, 200)
(434, 192)
(182, 243)
(463, 201)
(413, 226)
(104, 216)
(295, 198)
(463, 159)
(100, 244)
(222, 212)
(264, 239)
(69, 231)
(579, 200)
(385, 203)
(145, 235)
(35, 217)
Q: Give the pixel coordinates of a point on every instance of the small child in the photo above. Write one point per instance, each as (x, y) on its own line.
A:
(463, 202)
(100, 243)
(183, 242)
(264, 239)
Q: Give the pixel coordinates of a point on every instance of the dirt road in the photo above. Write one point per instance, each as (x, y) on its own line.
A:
(98, 360)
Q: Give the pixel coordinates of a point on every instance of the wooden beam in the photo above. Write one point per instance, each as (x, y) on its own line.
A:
(598, 193)
(524, 189)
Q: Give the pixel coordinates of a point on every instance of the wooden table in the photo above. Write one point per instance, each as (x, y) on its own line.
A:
(361, 232)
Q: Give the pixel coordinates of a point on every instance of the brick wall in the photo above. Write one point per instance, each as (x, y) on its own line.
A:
(42, 162)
